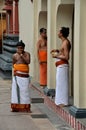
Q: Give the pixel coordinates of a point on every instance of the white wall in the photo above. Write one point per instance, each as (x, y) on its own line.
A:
(26, 27)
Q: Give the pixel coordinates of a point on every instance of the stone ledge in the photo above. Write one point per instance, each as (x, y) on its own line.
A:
(10, 43)
(71, 120)
(6, 58)
(77, 112)
(49, 92)
(6, 74)
(9, 49)
(37, 100)
(5, 66)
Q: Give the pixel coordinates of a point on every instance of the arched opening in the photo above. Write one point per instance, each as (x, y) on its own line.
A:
(65, 17)
(42, 20)
(44, 5)
(2, 28)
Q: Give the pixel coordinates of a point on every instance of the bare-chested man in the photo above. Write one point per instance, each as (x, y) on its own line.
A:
(62, 78)
(42, 56)
(21, 57)
(20, 100)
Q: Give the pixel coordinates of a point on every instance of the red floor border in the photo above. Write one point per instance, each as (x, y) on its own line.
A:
(72, 121)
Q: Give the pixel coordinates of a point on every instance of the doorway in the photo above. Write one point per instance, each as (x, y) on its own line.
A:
(2, 29)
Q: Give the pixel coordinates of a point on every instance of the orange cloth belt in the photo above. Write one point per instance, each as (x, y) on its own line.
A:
(21, 75)
(61, 62)
(21, 68)
(43, 55)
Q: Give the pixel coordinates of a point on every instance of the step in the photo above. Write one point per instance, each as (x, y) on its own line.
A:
(78, 124)
(37, 100)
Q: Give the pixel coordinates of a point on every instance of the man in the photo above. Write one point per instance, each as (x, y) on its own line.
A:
(20, 100)
(42, 57)
(62, 78)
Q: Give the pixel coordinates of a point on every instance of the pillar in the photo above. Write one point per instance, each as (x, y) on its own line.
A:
(8, 8)
(51, 44)
(79, 108)
(15, 17)
(36, 35)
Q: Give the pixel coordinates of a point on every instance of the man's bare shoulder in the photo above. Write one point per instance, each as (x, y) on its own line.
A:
(26, 53)
(66, 41)
(39, 41)
(15, 54)
(67, 44)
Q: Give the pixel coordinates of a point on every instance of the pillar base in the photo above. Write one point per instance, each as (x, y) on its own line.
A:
(49, 92)
(77, 112)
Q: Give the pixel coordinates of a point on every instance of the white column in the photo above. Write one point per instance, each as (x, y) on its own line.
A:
(51, 31)
(35, 37)
(80, 55)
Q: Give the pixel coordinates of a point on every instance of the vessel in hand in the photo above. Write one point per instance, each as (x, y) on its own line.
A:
(54, 53)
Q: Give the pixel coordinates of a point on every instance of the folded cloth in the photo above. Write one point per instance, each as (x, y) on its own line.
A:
(21, 67)
(43, 55)
(60, 62)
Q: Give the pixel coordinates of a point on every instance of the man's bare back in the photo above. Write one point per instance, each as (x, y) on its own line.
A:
(65, 49)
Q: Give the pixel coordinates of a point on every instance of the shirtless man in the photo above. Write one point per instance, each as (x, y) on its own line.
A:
(62, 78)
(42, 56)
(21, 57)
(20, 99)
(42, 42)
(63, 53)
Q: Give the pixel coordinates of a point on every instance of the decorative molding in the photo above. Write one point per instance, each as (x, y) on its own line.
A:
(77, 112)
(16, 0)
(8, 2)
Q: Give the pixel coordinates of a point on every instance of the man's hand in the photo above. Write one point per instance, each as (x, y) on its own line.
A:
(54, 54)
(21, 55)
(54, 50)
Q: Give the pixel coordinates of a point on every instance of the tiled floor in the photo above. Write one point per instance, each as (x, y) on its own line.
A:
(41, 118)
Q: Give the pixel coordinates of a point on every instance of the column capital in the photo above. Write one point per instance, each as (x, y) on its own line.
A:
(8, 2)
(8, 5)
(16, 1)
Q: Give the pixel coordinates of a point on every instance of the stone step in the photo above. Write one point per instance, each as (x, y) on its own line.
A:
(9, 48)
(5, 58)
(37, 100)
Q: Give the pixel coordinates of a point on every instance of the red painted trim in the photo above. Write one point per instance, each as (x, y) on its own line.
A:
(15, 17)
(72, 121)
(7, 7)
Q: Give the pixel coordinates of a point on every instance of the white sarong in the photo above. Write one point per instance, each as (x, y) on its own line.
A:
(62, 83)
(23, 94)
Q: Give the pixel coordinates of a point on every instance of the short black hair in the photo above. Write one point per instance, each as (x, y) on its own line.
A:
(43, 30)
(65, 31)
(21, 43)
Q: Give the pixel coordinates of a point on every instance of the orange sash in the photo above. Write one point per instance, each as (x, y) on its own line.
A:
(21, 68)
(61, 62)
(20, 107)
(43, 55)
